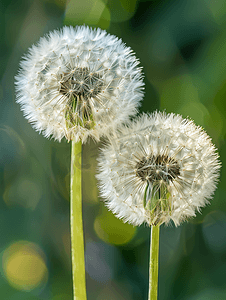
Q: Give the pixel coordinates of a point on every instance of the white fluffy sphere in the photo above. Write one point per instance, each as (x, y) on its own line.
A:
(160, 167)
(78, 82)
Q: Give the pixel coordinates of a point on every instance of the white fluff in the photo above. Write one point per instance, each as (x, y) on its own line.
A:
(165, 157)
(44, 83)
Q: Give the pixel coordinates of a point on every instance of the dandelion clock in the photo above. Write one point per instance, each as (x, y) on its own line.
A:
(77, 83)
(158, 169)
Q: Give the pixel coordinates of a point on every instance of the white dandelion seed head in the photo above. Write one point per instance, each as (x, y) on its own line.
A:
(160, 167)
(78, 82)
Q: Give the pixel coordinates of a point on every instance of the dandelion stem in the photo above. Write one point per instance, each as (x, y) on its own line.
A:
(77, 242)
(153, 271)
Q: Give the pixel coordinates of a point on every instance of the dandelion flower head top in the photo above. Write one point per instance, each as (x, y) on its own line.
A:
(78, 82)
(160, 167)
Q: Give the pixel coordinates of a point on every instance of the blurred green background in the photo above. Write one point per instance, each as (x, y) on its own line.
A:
(182, 48)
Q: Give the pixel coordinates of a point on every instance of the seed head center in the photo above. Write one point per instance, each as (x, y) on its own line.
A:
(83, 83)
(79, 86)
(157, 168)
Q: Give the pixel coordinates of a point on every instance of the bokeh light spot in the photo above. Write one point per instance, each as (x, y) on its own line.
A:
(112, 230)
(121, 10)
(180, 95)
(22, 192)
(177, 92)
(24, 266)
(87, 12)
(196, 110)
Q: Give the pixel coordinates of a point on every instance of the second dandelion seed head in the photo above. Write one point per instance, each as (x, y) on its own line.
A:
(158, 168)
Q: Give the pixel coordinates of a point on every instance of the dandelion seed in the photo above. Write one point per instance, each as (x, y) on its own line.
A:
(78, 82)
(160, 167)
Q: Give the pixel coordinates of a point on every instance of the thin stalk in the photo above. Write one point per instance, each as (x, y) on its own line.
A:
(154, 257)
(77, 241)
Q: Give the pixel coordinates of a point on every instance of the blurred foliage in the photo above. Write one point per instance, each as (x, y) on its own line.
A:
(182, 49)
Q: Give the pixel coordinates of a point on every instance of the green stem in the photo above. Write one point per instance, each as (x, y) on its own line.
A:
(153, 271)
(77, 242)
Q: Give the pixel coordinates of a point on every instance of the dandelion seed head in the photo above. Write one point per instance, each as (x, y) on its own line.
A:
(79, 82)
(157, 169)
